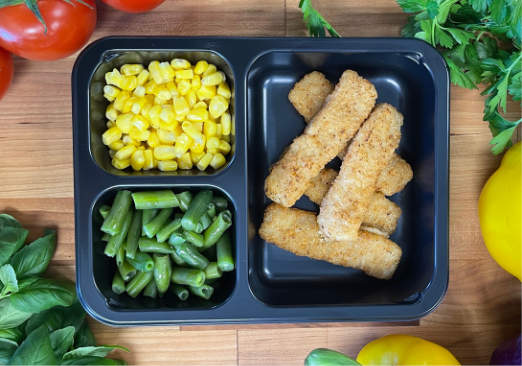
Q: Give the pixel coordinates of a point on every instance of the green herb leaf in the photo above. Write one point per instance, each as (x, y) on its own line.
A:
(515, 86)
(11, 317)
(480, 5)
(7, 220)
(34, 258)
(52, 319)
(8, 279)
(11, 239)
(443, 38)
(100, 351)
(7, 348)
(458, 77)
(35, 350)
(61, 341)
(43, 294)
(84, 337)
(92, 360)
(502, 140)
(13, 334)
(314, 21)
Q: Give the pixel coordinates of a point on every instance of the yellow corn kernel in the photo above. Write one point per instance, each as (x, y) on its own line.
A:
(153, 139)
(111, 113)
(127, 106)
(171, 87)
(183, 143)
(114, 78)
(167, 114)
(149, 102)
(168, 165)
(111, 135)
(177, 130)
(116, 145)
(124, 122)
(184, 74)
(204, 161)
(110, 124)
(166, 137)
(198, 126)
(219, 130)
(138, 135)
(196, 156)
(226, 123)
(198, 146)
(127, 140)
(125, 152)
(131, 69)
(166, 71)
(138, 160)
(110, 92)
(224, 147)
(196, 82)
(151, 87)
(140, 122)
(154, 114)
(218, 105)
(225, 138)
(184, 86)
(120, 100)
(155, 72)
(139, 91)
(143, 77)
(168, 126)
(120, 164)
(129, 83)
(185, 161)
(180, 63)
(164, 152)
(164, 93)
(206, 92)
(200, 104)
(149, 159)
(191, 98)
(192, 132)
(138, 104)
(197, 115)
(215, 78)
(224, 90)
(212, 143)
(210, 69)
(218, 161)
(181, 106)
(201, 67)
(210, 129)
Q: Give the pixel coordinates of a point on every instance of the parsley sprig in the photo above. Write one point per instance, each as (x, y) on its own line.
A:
(314, 21)
(480, 41)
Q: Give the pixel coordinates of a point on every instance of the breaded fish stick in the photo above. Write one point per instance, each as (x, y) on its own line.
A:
(297, 231)
(346, 203)
(308, 95)
(382, 213)
(325, 136)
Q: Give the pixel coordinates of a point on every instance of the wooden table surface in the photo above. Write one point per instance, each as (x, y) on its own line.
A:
(482, 305)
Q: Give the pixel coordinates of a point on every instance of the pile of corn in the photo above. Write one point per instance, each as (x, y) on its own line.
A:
(170, 116)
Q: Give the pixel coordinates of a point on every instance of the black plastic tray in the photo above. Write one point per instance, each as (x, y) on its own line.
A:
(271, 285)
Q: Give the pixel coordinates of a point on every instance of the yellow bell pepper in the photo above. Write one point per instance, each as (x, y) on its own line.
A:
(500, 212)
(404, 350)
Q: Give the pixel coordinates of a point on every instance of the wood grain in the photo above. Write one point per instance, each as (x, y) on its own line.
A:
(482, 305)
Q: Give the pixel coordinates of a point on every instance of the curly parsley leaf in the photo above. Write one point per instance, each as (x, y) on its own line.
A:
(315, 23)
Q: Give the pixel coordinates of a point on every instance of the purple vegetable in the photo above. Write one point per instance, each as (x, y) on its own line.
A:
(507, 354)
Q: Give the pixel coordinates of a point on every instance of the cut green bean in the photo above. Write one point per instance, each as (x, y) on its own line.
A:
(199, 228)
(176, 258)
(127, 271)
(176, 238)
(181, 292)
(188, 276)
(155, 199)
(114, 221)
(168, 229)
(220, 202)
(152, 227)
(197, 208)
(204, 291)
(194, 238)
(184, 200)
(148, 215)
(114, 243)
(105, 237)
(138, 283)
(104, 211)
(151, 290)
(191, 256)
(118, 286)
(133, 235)
(162, 272)
(211, 210)
(225, 259)
(205, 221)
(147, 245)
(220, 224)
(212, 271)
(120, 255)
(142, 262)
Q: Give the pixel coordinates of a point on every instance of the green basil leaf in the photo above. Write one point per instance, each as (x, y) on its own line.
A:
(34, 258)
(8, 279)
(61, 341)
(92, 360)
(11, 317)
(11, 239)
(74, 315)
(100, 351)
(43, 294)
(84, 337)
(35, 350)
(13, 334)
(52, 319)
(7, 348)
(8, 221)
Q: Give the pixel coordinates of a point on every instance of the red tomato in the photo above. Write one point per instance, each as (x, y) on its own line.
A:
(69, 27)
(133, 6)
(6, 71)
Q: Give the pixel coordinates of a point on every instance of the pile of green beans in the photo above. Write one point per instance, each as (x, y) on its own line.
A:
(162, 240)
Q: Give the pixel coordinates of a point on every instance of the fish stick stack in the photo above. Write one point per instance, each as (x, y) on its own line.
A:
(355, 216)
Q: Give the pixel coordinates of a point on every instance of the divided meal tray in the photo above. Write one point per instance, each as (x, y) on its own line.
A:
(269, 284)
